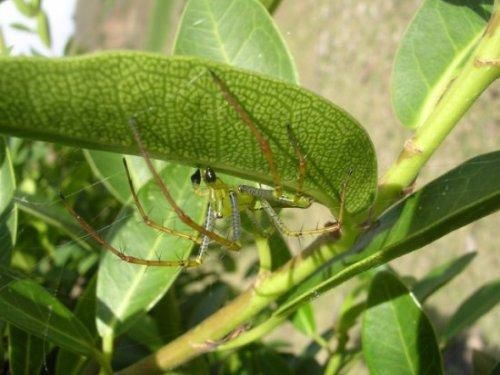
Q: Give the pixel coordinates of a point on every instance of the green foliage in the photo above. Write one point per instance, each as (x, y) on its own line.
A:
(475, 306)
(431, 212)
(8, 210)
(440, 276)
(78, 311)
(26, 352)
(397, 335)
(421, 74)
(30, 307)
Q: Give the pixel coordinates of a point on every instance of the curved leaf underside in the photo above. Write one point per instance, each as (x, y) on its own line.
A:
(182, 116)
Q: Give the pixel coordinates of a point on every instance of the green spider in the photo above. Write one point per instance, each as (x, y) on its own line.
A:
(223, 200)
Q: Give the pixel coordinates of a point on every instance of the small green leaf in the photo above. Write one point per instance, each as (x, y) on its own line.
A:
(26, 352)
(440, 276)
(126, 291)
(21, 27)
(4, 49)
(472, 309)
(464, 194)
(303, 319)
(43, 29)
(397, 336)
(236, 32)
(27, 8)
(182, 116)
(8, 210)
(350, 315)
(30, 307)
(441, 35)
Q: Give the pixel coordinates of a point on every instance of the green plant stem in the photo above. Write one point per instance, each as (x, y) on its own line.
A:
(265, 256)
(104, 363)
(333, 365)
(253, 334)
(262, 330)
(107, 349)
(473, 79)
(266, 289)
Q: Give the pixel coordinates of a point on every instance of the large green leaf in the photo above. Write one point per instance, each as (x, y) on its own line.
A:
(473, 308)
(440, 276)
(126, 291)
(30, 307)
(441, 35)
(238, 32)
(397, 335)
(464, 194)
(182, 116)
(8, 210)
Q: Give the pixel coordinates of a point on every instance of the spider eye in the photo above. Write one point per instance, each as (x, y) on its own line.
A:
(210, 175)
(196, 177)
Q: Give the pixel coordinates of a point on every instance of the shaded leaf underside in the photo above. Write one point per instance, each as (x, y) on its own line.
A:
(182, 116)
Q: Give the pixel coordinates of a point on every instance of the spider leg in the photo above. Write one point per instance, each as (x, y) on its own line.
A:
(273, 215)
(246, 118)
(186, 263)
(235, 217)
(145, 217)
(186, 219)
(301, 159)
(209, 225)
